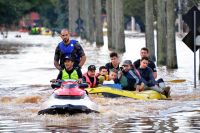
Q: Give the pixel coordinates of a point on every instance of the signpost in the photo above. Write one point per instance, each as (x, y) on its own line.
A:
(194, 49)
(192, 18)
(79, 29)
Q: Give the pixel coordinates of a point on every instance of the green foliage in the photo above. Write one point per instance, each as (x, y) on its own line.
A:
(9, 12)
(12, 10)
(53, 13)
(61, 9)
(47, 15)
(134, 8)
(192, 3)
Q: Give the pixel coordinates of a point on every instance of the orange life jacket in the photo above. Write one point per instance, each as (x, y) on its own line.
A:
(89, 82)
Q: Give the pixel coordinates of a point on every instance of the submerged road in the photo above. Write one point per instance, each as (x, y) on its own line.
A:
(27, 67)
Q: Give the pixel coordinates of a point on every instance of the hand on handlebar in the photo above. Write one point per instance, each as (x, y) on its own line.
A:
(53, 80)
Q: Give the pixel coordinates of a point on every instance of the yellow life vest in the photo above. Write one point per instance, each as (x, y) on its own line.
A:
(102, 78)
(65, 75)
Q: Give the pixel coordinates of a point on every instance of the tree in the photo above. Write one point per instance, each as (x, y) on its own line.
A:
(12, 11)
(62, 11)
(161, 33)
(91, 16)
(134, 8)
(119, 25)
(52, 13)
(73, 15)
(118, 37)
(149, 28)
(87, 13)
(48, 15)
(98, 23)
(109, 22)
(113, 17)
(171, 43)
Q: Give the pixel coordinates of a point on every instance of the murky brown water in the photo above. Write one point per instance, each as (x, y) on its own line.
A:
(26, 69)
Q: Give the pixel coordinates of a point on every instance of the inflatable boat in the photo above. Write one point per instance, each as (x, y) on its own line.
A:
(112, 92)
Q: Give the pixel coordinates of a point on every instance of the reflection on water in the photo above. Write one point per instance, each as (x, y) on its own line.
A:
(9, 49)
(27, 68)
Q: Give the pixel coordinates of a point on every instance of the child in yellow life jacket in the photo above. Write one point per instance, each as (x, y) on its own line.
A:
(103, 74)
(113, 80)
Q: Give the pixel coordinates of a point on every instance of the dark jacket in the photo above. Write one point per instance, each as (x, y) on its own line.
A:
(147, 76)
(132, 79)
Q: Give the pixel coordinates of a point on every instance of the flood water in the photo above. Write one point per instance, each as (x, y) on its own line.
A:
(27, 67)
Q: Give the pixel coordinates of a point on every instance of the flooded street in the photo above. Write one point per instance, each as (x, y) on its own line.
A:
(27, 67)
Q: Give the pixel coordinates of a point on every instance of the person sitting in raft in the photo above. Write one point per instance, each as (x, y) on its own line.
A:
(132, 81)
(144, 52)
(114, 64)
(69, 72)
(90, 77)
(103, 74)
(146, 75)
(113, 80)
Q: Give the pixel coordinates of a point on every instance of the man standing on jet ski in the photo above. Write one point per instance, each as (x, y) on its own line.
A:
(68, 48)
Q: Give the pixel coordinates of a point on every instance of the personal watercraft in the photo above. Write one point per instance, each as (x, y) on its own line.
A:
(68, 97)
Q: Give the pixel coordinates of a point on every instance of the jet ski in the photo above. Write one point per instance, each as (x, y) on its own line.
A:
(68, 97)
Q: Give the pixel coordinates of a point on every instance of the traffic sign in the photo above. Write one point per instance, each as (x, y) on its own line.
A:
(79, 21)
(192, 18)
(188, 18)
(189, 40)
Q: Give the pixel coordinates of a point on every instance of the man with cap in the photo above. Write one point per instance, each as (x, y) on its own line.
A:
(90, 77)
(134, 82)
(69, 72)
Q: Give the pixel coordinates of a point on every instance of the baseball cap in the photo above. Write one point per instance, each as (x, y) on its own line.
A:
(92, 67)
(127, 62)
(69, 58)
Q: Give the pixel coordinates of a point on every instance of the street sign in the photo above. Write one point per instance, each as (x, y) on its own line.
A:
(79, 21)
(189, 40)
(192, 18)
(188, 18)
(198, 41)
(79, 29)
